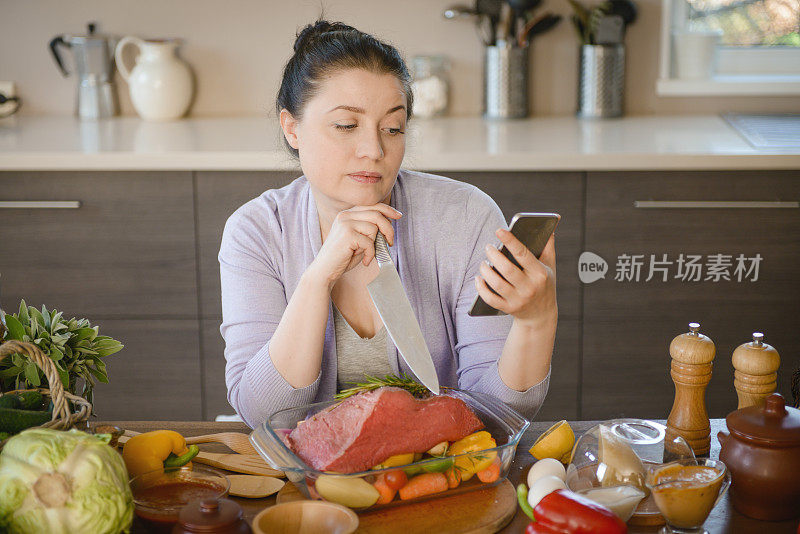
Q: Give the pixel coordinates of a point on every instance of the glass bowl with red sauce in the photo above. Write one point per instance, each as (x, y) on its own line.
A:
(158, 496)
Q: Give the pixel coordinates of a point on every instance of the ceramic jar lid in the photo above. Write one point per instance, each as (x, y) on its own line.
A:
(211, 516)
(773, 424)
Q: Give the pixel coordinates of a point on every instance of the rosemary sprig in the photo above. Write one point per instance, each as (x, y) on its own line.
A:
(373, 383)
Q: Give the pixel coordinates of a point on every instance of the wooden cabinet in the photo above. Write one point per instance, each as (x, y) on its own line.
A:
(516, 192)
(156, 376)
(628, 325)
(124, 248)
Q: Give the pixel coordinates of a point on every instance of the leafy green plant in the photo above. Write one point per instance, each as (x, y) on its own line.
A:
(76, 347)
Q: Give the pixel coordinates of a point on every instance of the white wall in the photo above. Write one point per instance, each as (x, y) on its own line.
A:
(238, 47)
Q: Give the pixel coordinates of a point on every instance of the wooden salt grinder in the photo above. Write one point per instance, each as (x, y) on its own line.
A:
(692, 356)
(756, 374)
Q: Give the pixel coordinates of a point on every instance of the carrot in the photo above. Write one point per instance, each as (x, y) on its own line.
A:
(453, 477)
(491, 473)
(424, 484)
(386, 493)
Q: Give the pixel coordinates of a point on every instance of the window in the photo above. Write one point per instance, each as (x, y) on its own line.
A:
(756, 47)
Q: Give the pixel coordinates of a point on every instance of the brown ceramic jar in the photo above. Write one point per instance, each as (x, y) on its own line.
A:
(762, 452)
(217, 516)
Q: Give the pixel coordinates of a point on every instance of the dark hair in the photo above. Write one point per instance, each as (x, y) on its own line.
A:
(325, 47)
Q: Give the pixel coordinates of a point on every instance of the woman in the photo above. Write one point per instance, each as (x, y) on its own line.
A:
(298, 321)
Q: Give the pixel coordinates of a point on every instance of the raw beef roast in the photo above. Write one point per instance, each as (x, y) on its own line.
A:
(365, 429)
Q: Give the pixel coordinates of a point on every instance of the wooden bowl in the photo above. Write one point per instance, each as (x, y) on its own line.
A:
(305, 517)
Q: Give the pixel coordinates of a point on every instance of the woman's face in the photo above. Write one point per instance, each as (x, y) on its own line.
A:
(351, 138)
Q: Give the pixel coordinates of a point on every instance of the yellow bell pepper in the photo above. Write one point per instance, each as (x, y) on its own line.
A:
(153, 451)
(471, 464)
(396, 460)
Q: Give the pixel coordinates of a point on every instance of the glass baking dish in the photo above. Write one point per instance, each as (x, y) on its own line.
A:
(504, 424)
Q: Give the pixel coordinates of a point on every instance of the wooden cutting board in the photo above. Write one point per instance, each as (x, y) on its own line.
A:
(484, 511)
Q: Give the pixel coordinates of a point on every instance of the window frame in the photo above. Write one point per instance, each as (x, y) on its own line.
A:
(757, 71)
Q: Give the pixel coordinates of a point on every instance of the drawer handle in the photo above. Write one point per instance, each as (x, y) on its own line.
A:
(705, 204)
(40, 204)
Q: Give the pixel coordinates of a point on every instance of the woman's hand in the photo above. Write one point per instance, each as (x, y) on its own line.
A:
(528, 294)
(352, 240)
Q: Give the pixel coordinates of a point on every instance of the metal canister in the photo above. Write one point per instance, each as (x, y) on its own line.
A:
(601, 81)
(505, 82)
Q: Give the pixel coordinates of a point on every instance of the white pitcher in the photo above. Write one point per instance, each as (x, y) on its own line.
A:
(160, 83)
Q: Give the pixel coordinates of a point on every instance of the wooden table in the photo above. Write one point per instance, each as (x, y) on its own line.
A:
(723, 518)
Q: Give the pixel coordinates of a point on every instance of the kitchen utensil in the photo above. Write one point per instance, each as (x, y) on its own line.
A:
(625, 8)
(762, 452)
(211, 516)
(459, 11)
(306, 517)
(395, 310)
(601, 81)
(505, 26)
(161, 84)
(685, 505)
(490, 8)
(610, 30)
(484, 511)
(756, 374)
(692, 358)
(505, 94)
(235, 441)
(250, 464)
(94, 63)
(589, 468)
(537, 26)
(505, 425)
(254, 486)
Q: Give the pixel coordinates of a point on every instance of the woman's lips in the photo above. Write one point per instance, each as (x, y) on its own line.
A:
(366, 177)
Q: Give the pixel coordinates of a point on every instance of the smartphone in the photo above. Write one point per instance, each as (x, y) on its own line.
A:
(533, 230)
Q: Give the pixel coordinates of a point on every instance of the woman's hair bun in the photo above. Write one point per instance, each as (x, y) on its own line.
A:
(313, 31)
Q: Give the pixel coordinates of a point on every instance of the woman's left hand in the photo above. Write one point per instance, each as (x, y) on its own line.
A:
(528, 294)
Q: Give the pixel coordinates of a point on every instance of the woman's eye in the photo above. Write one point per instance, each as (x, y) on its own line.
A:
(344, 126)
(394, 131)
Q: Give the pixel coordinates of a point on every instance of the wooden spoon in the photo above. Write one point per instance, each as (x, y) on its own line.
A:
(235, 441)
(253, 486)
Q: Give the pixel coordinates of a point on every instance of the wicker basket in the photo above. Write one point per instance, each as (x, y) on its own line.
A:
(62, 419)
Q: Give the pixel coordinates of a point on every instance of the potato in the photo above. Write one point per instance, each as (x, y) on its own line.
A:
(351, 492)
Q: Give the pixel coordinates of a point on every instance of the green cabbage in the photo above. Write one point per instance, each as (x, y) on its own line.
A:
(63, 483)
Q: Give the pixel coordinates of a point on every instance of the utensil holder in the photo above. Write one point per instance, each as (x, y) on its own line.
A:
(505, 93)
(601, 81)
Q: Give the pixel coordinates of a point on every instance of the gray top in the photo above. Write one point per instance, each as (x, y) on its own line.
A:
(439, 244)
(359, 356)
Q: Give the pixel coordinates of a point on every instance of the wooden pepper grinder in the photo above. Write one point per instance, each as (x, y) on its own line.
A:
(692, 356)
(756, 374)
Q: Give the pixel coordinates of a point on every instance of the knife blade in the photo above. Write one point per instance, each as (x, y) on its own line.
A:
(395, 310)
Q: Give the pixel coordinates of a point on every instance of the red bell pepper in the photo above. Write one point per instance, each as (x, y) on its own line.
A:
(566, 512)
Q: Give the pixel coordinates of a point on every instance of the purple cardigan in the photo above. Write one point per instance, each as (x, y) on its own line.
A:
(439, 243)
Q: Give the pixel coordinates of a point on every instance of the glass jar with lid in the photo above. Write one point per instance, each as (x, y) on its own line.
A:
(431, 85)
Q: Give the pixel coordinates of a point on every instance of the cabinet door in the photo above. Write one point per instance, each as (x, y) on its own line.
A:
(156, 376)
(562, 193)
(123, 248)
(628, 325)
(219, 194)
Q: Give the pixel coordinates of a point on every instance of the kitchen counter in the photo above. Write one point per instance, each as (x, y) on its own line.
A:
(722, 519)
(445, 144)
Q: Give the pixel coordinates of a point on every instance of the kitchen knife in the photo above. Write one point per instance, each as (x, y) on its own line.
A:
(395, 310)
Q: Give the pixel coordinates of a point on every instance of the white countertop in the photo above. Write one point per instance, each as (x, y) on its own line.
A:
(446, 144)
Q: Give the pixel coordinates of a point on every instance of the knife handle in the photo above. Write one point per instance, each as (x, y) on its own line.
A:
(382, 250)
